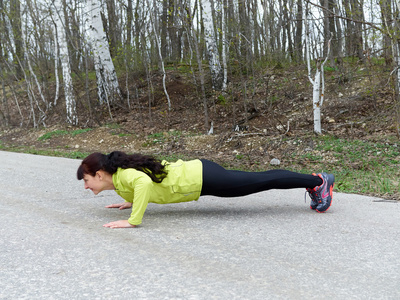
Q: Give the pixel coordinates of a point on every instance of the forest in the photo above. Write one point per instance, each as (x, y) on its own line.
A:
(247, 78)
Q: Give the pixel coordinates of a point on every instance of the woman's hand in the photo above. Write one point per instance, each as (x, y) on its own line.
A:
(123, 205)
(119, 224)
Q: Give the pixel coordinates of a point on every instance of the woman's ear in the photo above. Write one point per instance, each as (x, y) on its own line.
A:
(99, 174)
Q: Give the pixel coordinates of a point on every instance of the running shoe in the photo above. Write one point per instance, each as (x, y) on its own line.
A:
(321, 196)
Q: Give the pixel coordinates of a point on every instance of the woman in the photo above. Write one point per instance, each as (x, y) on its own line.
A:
(141, 179)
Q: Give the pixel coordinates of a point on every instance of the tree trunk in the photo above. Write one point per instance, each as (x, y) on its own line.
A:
(329, 26)
(354, 41)
(298, 48)
(396, 60)
(15, 20)
(318, 82)
(70, 102)
(137, 26)
(158, 45)
(66, 23)
(386, 13)
(107, 82)
(288, 29)
(224, 48)
(211, 44)
(172, 31)
(164, 27)
(327, 33)
(6, 114)
(255, 29)
(199, 63)
(56, 55)
(3, 31)
(113, 35)
(129, 21)
(337, 47)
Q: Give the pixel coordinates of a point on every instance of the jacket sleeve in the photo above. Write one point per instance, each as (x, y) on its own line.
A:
(142, 191)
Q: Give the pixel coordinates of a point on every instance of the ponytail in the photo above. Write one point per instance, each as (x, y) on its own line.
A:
(118, 159)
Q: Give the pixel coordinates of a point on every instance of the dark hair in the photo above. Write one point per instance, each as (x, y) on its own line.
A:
(118, 159)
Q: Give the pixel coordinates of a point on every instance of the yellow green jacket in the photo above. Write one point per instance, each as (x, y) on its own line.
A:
(183, 183)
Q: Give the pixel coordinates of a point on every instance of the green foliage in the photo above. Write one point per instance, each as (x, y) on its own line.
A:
(52, 134)
(56, 133)
(80, 131)
(272, 99)
(161, 137)
(185, 69)
(239, 156)
(221, 99)
(330, 69)
(378, 61)
(156, 137)
(175, 133)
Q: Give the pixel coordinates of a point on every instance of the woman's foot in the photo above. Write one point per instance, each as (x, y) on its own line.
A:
(321, 196)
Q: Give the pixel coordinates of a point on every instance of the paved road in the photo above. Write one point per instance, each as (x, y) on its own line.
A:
(264, 246)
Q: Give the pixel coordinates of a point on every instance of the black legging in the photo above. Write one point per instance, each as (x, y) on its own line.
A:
(220, 182)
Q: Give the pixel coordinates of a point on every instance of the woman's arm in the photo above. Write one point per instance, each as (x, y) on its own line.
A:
(141, 186)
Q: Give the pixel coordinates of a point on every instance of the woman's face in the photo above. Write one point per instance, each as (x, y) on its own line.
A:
(94, 183)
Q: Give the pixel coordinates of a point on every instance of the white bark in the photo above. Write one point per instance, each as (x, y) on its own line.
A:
(212, 50)
(316, 102)
(318, 89)
(397, 2)
(56, 67)
(70, 102)
(107, 81)
(224, 63)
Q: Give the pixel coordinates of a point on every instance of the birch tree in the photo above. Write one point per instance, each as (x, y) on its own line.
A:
(108, 89)
(211, 44)
(70, 102)
(318, 82)
(224, 49)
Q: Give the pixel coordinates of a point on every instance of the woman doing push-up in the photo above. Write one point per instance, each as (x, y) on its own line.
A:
(140, 179)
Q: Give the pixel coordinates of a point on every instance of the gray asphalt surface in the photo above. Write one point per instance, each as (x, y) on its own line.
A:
(264, 246)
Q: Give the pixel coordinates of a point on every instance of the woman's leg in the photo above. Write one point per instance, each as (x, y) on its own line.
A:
(218, 181)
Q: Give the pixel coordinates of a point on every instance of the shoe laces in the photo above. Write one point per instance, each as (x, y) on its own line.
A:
(314, 195)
